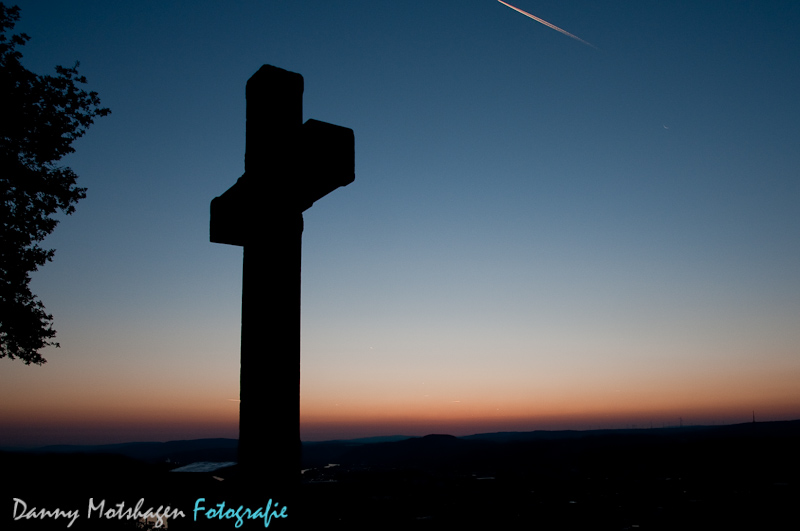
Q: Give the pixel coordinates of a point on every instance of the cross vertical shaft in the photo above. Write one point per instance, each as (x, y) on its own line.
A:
(269, 408)
(288, 166)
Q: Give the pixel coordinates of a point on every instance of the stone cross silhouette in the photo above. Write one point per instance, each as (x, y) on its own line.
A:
(288, 165)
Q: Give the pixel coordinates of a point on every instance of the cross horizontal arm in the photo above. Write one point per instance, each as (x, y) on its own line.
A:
(328, 160)
(321, 159)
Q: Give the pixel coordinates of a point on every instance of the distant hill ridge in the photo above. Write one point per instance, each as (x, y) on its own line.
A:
(428, 449)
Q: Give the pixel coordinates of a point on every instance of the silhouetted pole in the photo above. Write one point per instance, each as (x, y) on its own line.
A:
(288, 166)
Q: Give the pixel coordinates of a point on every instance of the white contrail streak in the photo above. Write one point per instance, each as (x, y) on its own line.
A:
(553, 26)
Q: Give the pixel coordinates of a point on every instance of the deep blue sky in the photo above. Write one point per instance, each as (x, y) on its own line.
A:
(540, 234)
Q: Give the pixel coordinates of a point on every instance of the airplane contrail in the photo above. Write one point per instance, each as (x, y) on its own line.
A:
(553, 26)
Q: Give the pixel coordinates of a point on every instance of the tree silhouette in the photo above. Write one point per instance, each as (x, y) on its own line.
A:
(41, 117)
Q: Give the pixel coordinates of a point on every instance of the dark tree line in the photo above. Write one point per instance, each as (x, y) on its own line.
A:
(41, 117)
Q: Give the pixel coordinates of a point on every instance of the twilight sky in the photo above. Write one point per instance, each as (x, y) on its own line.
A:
(541, 234)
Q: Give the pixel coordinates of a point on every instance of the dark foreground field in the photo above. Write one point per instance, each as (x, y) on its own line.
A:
(728, 477)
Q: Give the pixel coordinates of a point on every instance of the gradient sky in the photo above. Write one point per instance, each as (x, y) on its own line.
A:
(541, 235)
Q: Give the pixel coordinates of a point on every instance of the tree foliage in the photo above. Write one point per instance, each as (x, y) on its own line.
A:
(42, 115)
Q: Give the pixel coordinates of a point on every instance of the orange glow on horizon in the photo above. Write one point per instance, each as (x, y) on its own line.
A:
(162, 426)
(347, 406)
